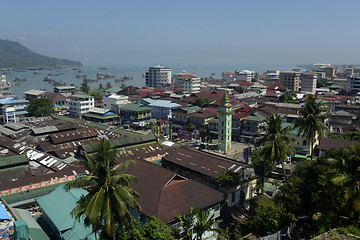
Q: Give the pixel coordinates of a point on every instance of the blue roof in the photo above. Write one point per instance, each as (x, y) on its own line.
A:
(164, 103)
(6, 100)
(158, 66)
(3, 214)
(272, 74)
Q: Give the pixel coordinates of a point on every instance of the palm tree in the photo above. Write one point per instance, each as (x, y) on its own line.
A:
(311, 121)
(85, 88)
(349, 178)
(187, 224)
(107, 204)
(204, 222)
(276, 145)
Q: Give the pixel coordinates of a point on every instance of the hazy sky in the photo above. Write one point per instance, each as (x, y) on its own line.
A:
(114, 32)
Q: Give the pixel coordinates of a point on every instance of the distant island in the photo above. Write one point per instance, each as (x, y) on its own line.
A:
(14, 55)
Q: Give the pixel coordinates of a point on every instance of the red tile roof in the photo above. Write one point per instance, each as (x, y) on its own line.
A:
(228, 73)
(188, 76)
(276, 86)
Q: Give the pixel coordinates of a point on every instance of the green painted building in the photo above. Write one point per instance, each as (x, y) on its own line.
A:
(225, 124)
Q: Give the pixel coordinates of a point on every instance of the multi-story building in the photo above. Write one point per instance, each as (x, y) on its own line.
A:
(188, 83)
(353, 83)
(135, 112)
(5, 89)
(290, 80)
(329, 72)
(308, 82)
(80, 104)
(158, 76)
(228, 77)
(13, 108)
(113, 102)
(65, 90)
(225, 124)
(245, 75)
(32, 94)
(162, 109)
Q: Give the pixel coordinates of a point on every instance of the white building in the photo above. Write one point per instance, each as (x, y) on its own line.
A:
(162, 109)
(113, 102)
(158, 76)
(188, 83)
(308, 82)
(245, 75)
(5, 88)
(80, 104)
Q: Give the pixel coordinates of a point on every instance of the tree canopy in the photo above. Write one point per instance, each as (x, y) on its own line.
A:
(39, 107)
(288, 97)
(202, 102)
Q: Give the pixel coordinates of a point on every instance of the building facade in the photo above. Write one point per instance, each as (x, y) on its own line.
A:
(308, 82)
(80, 104)
(329, 72)
(158, 76)
(5, 88)
(225, 124)
(290, 80)
(353, 83)
(188, 83)
(162, 109)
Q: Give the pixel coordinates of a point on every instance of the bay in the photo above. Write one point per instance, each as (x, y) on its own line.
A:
(35, 81)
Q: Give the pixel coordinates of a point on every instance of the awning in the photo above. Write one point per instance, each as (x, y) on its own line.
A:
(3, 214)
(300, 156)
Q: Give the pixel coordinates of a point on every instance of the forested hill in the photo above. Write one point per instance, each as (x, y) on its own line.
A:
(16, 56)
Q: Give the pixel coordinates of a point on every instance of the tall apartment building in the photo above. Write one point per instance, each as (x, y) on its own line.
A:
(188, 83)
(308, 82)
(5, 89)
(329, 72)
(158, 76)
(290, 80)
(353, 83)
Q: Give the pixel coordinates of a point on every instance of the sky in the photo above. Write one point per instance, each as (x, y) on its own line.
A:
(206, 32)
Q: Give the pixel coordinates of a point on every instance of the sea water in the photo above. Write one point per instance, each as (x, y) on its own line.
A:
(35, 81)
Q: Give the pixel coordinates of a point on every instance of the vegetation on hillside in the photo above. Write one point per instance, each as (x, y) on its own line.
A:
(16, 56)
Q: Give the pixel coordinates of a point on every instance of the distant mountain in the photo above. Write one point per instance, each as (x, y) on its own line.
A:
(16, 56)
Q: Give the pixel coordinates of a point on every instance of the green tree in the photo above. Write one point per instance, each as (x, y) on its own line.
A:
(39, 107)
(241, 89)
(349, 178)
(97, 95)
(202, 102)
(276, 145)
(108, 85)
(311, 124)
(204, 223)
(101, 87)
(106, 206)
(263, 167)
(153, 230)
(288, 97)
(227, 178)
(186, 223)
(321, 82)
(85, 88)
(269, 217)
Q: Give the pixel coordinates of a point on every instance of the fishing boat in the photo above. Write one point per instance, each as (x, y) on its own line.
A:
(19, 79)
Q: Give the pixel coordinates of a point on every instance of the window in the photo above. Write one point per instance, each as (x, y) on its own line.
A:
(304, 142)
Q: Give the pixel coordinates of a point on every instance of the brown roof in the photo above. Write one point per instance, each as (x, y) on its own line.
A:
(162, 192)
(55, 97)
(69, 136)
(205, 163)
(329, 143)
(205, 113)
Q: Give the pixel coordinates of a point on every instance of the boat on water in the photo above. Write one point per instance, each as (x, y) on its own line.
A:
(59, 83)
(119, 80)
(213, 74)
(88, 80)
(15, 84)
(19, 79)
(36, 72)
(81, 76)
(127, 77)
(102, 68)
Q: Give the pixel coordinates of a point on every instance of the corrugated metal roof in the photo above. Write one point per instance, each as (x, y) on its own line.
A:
(58, 206)
(43, 130)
